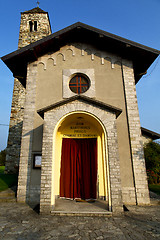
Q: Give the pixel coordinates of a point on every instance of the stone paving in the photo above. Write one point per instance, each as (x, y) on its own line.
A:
(20, 222)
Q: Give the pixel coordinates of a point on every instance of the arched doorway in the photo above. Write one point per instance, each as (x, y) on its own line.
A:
(80, 159)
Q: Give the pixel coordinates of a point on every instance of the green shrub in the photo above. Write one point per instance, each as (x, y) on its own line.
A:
(152, 159)
(7, 180)
(2, 168)
(155, 188)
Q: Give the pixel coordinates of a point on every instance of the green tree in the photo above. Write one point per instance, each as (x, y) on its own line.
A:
(2, 157)
(152, 158)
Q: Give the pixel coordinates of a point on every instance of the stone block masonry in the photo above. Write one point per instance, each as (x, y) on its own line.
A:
(23, 194)
(15, 128)
(16, 119)
(43, 28)
(136, 142)
(108, 120)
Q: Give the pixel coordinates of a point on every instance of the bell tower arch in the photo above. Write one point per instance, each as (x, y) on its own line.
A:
(34, 25)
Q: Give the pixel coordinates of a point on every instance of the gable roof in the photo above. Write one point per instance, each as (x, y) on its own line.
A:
(150, 134)
(89, 100)
(141, 55)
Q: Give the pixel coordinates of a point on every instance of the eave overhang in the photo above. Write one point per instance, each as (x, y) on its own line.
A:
(115, 110)
(150, 134)
(141, 55)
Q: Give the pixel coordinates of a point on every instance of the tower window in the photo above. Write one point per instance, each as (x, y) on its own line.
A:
(30, 25)
(35, 26)
(79, 84)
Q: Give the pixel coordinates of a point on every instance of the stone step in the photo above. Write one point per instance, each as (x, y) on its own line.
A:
(155, 202)
(7, 196)
(154, 198)
(7, 199)
(87, 214)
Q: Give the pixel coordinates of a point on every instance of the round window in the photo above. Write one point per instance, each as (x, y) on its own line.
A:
(79, 84)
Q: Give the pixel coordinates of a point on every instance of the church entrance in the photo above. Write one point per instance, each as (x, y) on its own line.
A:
(80, 159)
(78, 174)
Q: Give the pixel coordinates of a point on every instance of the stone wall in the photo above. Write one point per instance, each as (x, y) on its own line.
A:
(43, 28)
(23, 192)
(146, 139)
(108, 119)
(16, 119)
(15, 128)
(136, 143)
(128, 195)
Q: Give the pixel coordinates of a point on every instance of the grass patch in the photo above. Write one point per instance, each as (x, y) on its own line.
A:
(2, 169)
(154, 188)
(7, 180)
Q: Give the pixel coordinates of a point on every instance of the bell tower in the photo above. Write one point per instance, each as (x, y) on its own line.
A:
(35, 25)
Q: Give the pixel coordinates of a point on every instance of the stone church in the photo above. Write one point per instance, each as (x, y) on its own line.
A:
(74, 128)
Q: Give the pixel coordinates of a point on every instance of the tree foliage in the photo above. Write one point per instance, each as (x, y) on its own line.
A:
(152, 158)
(2, 157)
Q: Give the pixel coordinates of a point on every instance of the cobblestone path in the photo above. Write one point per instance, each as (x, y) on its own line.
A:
(20, 222)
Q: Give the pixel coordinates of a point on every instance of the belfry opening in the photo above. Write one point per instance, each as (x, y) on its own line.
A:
(80, 159)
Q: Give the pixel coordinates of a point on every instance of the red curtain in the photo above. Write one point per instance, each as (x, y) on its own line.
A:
(78, 168)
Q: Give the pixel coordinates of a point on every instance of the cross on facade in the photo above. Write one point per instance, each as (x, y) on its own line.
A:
(38, 3)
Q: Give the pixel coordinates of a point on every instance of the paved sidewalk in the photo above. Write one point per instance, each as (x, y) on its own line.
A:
(19, 221)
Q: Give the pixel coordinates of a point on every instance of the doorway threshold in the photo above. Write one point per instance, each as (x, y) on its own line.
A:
(66, 207)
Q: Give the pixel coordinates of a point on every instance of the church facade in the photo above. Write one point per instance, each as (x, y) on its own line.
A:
(75, 115)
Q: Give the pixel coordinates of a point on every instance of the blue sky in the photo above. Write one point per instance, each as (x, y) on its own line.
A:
(137, 20)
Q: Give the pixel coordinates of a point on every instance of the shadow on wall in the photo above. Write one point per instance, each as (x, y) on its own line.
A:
(32, 139)
(33, 177)
(13, 148)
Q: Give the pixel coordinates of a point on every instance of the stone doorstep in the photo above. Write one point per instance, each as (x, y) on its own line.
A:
(83, 214)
